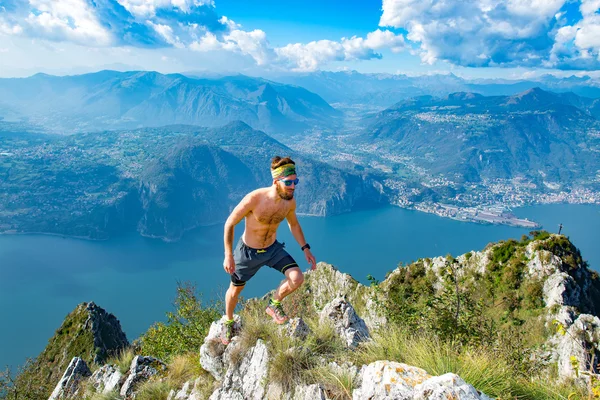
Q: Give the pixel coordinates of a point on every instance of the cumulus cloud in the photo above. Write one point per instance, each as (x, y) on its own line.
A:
(68, 20)
(147, 8)
(577, 46)
(107, 23)
(311, 56)
(479, 32)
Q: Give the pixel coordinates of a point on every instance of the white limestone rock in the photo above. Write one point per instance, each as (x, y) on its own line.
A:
(297, 328)
(387, 380)
(347, 324)
(562, 290)
(246, 381)
(309, 392)
(443, 387)
(68, 386)
(142, 368)
(106, 379)
(212, 350)
(581, 338)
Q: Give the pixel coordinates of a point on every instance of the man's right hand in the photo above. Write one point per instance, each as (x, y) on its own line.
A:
(229, 264)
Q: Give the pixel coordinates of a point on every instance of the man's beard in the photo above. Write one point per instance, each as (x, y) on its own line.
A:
(284, 194)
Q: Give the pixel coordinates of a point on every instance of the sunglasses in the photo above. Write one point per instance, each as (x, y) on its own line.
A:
(288, 182)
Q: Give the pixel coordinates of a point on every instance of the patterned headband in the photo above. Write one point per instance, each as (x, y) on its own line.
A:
(283, 171)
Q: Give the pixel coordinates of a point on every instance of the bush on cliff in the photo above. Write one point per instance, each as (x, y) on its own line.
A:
(185, 328)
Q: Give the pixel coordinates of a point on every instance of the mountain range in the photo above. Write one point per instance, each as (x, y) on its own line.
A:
(469, 137)
(160, 182)
(347, 88)
(126, 100)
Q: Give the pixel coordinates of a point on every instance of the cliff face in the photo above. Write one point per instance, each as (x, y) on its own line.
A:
(88, 333)
(348, 331)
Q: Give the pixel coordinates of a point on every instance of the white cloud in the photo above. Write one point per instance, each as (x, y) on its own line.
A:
(311, 56)
(166, 32)
(147, 8)
(253, 43)
(578, 46)
(208, 42)
(69, 20)
(7, 28)
(231, 25)
(308, 57)
(476, 32)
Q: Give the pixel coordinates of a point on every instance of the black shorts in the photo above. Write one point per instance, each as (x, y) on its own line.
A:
(248, 261)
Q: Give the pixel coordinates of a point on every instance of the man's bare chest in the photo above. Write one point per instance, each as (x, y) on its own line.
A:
(270, 215)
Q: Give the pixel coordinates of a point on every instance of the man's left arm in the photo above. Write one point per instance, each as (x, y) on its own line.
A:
(296, 230)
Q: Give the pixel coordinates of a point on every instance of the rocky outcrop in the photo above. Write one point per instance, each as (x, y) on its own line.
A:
(351, 328)
(297, 328)
(107, 379)
(69, 385)
(213, 352)
(246, 381)
(578, 348)
(89, 333)
(106, 330)
(142, 368)
(385, 380)
(326, 283)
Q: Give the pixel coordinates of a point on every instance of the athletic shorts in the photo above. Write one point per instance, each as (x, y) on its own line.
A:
(248, 261)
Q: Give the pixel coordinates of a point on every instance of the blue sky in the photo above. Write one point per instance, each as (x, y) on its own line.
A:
(474, 38)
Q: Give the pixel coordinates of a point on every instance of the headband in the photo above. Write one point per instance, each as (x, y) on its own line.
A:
(283, 171)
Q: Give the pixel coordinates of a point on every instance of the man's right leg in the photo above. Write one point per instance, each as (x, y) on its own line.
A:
(231, 299)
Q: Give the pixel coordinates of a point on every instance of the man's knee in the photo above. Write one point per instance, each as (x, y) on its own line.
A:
(235, 290)
(296, 279)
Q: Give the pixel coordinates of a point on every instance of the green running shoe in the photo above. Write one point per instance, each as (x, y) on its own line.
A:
(275, 310)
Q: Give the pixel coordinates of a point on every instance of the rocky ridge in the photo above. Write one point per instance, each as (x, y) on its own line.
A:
(570, 295)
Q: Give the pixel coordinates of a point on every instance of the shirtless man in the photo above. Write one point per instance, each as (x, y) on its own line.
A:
(264, 209)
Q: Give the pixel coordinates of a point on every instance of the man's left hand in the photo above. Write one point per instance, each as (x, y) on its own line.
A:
(311, 259)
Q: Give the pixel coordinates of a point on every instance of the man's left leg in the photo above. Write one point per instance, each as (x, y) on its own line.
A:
(293, 279)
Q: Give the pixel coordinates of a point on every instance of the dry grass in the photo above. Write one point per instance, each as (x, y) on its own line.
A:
(122, 360)
(183, 368)
(483, 368)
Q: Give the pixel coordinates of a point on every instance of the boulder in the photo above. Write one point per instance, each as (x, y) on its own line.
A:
(347, 324)
(447, 386)
(142, 368)
(309, 392)
(387, 380)
(107, 379)
(576, 346)
(212, 350)
(68, 386)
(246, 381)
(297, 328)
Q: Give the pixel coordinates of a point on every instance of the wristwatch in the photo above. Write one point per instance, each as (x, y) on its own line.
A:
(306, 246)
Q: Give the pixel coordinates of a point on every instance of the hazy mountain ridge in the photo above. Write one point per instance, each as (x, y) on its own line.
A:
(384, 90)
(158, 181)
(117, 100)
(471, 137)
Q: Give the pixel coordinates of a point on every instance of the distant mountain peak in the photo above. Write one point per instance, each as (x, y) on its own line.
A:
(464, 96)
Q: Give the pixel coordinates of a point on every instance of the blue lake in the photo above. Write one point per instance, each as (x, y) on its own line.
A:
(43, 278)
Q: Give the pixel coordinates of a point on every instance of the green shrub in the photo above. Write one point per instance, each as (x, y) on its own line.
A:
(185, 328)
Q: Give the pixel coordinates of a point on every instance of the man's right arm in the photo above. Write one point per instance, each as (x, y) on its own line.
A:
(239, 212)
